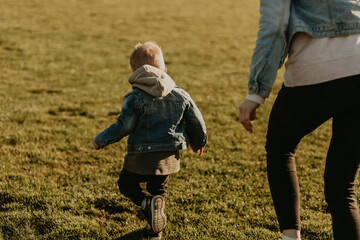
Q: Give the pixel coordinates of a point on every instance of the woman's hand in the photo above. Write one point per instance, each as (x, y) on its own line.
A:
(247, 114)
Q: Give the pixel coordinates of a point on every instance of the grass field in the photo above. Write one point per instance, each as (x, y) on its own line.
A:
(63, 74)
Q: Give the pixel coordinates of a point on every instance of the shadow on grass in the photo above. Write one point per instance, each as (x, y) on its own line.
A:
(135, 235)
(316, 233)
(110, 206)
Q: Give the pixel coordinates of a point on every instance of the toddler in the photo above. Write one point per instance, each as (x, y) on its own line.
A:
(160, 119)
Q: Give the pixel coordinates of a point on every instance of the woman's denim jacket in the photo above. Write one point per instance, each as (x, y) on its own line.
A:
(157, 124)
(281, 19)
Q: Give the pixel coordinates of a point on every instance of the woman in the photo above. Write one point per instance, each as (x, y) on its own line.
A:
(322, 81)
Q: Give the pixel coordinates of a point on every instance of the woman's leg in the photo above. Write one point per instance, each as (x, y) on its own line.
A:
(342, 165)
(296, 112)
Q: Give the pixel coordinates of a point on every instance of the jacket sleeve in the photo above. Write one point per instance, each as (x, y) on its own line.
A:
(124, 125)
(271, 45)
(195, 126)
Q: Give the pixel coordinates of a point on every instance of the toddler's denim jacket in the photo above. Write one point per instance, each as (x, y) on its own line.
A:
(168, 121)
(280, 20)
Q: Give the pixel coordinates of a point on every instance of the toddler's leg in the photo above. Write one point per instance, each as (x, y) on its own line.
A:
(129, 186)
(158, 184)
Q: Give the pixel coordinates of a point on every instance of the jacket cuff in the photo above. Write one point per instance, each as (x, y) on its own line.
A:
(259, 89)
(201, 144)
(99, 141)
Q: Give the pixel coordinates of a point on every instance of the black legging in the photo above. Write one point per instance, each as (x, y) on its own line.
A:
(129, 185)
(297, 112)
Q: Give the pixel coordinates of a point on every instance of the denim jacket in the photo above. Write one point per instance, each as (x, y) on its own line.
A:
(157, 116)
(280, 20)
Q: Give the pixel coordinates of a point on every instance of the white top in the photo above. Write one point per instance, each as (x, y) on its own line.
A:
(256, 98)
(317, 60)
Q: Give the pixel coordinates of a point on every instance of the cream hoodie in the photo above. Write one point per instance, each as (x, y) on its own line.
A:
(152, 80)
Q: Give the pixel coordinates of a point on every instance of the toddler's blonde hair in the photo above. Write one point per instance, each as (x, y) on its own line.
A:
(147, 53)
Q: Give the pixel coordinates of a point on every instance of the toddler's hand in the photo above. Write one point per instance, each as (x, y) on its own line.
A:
(200, 151)
(95, 145)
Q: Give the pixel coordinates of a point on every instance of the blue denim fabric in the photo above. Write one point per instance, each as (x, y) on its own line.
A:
(280, 20)
(157, 124)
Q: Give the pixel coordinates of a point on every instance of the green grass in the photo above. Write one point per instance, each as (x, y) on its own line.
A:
(63, 74)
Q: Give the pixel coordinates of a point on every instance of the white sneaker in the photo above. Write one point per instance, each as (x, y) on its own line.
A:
(155, 213)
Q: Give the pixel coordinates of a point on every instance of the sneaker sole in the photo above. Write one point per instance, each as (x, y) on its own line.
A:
(158, 215)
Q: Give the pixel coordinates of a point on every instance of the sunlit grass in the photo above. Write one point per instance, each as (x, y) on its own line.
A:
(64, 69)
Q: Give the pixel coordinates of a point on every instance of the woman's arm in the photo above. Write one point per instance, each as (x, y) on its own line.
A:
(268, 56)
(270, 47)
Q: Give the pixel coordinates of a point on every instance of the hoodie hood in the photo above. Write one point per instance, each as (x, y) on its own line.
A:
(152, 80)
